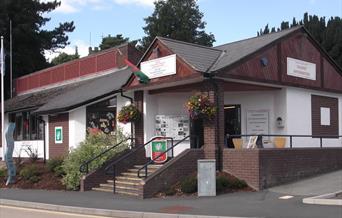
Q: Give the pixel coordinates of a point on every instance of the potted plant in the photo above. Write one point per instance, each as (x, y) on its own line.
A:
(128, 114)
(199, 106)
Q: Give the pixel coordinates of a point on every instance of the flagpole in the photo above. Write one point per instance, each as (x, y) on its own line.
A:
(11, 61)
(2, 98)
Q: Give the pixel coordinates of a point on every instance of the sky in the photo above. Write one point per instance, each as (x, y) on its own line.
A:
(228, 20)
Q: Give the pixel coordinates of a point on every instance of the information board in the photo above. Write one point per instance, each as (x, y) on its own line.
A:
(175, 126)
(257, 122)
(159, 67)
(301, 69)
(58, 134)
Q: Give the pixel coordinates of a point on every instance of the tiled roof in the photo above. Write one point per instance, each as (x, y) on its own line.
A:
(68, 96)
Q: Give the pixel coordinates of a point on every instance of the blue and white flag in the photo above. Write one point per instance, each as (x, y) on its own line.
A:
(2, 61)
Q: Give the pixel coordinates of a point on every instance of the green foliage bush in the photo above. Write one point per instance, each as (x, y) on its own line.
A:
(93, 145)
(29, 173)
(238, 184)
(34, 179)
(221, 183)
(170, 191)
(3, 172)
(55, 165)
(189, 185)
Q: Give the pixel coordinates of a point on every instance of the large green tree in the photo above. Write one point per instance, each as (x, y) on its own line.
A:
(177, 19)
(112, 41)
(64, 57)
(327, 33)
(30, 39)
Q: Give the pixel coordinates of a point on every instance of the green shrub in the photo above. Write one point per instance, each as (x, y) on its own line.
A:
(237, 184)
(170, 191)
(221, 183)
(53, 163)
(29, 171)
(59, 171)
(3, 172)
(189, 185)
(34, 179)
(93, 145)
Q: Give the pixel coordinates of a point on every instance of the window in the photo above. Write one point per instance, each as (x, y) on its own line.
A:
(27, 126)
(102, 116)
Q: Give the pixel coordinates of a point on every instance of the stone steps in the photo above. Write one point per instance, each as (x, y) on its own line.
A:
(128, 182)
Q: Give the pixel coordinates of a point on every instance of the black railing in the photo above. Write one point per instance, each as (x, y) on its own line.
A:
(84, 168)
(112, 166)
(260, 137)
(152, 161)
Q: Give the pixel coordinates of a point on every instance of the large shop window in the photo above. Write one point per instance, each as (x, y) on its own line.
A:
(27, 126)
(102, 117)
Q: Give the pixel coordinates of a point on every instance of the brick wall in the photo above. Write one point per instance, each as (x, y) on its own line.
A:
(214, 130)
(139, 125)
(172, 172)
(57, 150)
(263, 168)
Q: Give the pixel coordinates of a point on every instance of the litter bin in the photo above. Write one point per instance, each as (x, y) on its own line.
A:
(206, 177)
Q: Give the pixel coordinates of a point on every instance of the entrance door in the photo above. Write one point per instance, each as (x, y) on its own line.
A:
(196, 129)
(232, 123)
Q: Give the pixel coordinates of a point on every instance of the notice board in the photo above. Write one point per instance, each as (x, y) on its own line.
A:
(175, 126)
(257, 122)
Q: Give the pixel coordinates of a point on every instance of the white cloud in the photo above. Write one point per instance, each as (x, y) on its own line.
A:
(72, 6)
(137, 2)
(70, 49)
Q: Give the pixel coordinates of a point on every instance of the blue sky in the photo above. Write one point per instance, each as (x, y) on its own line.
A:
(228, 20)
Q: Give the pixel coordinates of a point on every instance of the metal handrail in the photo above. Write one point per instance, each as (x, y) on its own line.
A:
(137, 148)
(320, 137)
(167, 150)
(84, 168)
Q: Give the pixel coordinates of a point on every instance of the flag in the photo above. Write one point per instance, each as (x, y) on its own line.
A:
(143, 78)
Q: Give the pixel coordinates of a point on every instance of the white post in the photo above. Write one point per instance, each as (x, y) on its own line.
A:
(2, 100)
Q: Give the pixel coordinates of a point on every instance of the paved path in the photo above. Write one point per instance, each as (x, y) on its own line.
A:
(326, 183)
(7, 211)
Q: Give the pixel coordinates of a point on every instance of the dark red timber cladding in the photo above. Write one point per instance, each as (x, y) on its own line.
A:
(57, 150)
(45, 78)
(57, 75)
(321, 101)
(332, 79)
(254, 69)
(106, 61)
(95, 63)
(300, 47)
(183, 70)
(72, 70)
(88, 66)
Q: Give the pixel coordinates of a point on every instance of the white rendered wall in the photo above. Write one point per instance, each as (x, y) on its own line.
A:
(120, 102)
(77, 127)
(299, 117)
(163, 104)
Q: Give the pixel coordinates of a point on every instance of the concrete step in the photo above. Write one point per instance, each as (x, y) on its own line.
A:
(127, 193)
(131, 174)
(103, 190)
(149, 166)
(149, 170)
(126, 178)
(118, 182)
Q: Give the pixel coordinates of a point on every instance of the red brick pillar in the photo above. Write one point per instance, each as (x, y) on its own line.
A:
(214, 129)
(139, 125)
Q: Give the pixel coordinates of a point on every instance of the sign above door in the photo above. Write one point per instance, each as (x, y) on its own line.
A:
(159, 67)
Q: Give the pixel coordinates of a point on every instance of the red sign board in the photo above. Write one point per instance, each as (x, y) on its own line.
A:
(157, 148)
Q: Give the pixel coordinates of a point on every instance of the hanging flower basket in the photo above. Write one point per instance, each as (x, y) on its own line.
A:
(199, 106)
(128, 114)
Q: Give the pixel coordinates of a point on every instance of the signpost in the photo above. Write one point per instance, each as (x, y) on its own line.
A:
(58, 135)
(157, 148)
